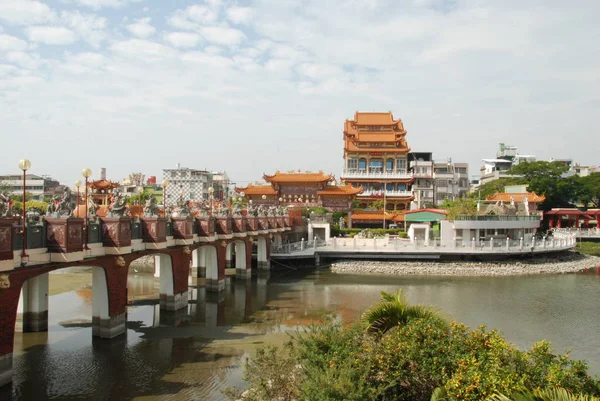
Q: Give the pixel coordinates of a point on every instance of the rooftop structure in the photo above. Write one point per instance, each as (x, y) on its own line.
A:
(375, 159)
(301, 189)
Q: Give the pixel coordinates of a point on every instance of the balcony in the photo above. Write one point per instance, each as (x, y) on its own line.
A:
(377, 175)
(388, 194)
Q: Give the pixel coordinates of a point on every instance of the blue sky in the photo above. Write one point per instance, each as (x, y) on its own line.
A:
(256, 86)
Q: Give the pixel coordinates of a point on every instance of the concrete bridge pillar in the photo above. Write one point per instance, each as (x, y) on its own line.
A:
(229, 255)
(263, 253)
(109, 301)
(199, 261)
(34, 304)
(243, 260)
(215, 267)
(215, 310)
(10, 290)
(174, 271)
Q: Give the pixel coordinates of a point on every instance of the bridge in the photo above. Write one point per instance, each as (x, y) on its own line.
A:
(29, 251)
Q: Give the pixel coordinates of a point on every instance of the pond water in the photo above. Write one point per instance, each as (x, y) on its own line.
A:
(195, 353)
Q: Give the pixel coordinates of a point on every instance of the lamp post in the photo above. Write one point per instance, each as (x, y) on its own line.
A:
(140, 190)
(87, 173)
(24, 165)
(78, 184)
(211, 197)
(164, 184)
(264, 197)
(280, 200)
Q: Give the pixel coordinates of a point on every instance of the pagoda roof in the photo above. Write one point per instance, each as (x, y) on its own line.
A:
(340, 190)
(103, 184)
(532, 197)
(374, 118)
(257, 190)
(305, 177)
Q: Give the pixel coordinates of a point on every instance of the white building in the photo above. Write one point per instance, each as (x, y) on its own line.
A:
(186, 183)
(421, 166)
(34, 185)
(451, 180)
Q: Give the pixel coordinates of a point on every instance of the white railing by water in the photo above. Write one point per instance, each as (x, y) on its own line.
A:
(578, 232)
(496, 246)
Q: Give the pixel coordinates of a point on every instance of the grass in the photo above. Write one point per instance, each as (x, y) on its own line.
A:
(588, 248)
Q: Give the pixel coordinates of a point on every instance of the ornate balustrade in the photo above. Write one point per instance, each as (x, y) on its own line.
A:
(116, 232)
(205, 226)
(272, 222)
(224, 226)
(154, 230)
(183, 228)
(239, 225)
(263, 223)
(7, 238)
(64, 235)
(252, 224)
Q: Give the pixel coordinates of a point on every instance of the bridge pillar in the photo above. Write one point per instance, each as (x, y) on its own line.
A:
(109, 301)
(229, 254)
(10, 290)
(174, 271)
(215, 267)
(157, 265)
(263, 253)
(243, 260)
(34, 304)
(199, 261)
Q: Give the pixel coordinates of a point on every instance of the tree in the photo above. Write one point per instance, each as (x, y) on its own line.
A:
(459, 207)
(393, 310)
(551, 394)
(590, 190)
(490, 188)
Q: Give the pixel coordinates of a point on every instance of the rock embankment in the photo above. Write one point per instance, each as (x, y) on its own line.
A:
(568, 263)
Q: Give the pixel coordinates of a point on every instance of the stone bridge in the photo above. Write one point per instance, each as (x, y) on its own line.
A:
(109, 245)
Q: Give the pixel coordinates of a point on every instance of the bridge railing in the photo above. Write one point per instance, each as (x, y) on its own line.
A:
(94, 233)
(36, 236)
(136, 230)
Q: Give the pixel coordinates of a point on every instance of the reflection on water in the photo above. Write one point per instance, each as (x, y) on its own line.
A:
(196, 352)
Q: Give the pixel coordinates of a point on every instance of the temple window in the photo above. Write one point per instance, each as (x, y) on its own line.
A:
(375, 166)
(390, 187)
(352, 165)
(401, 165)
(362, 165)
(389, 165)
(401, 187)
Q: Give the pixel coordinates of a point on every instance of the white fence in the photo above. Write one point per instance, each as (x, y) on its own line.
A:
(579, 232)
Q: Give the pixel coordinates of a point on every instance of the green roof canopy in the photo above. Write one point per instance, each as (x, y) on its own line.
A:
(424, 217)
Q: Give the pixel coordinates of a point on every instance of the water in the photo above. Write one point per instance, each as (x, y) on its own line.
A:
(196, 353)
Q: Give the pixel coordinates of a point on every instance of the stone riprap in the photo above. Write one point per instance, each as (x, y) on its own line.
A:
(568, 263)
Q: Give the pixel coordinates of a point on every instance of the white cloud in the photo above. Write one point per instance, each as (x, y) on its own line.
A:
(141, 28)
(183, 39)
(142, 48)
(222, 35)
(239, 15)
(51, 35)
(25, 60)
(89, 27)
(25, 12)
(96, 4)
(8, 42)
(192, 17)
(319, 71)
(207, 59)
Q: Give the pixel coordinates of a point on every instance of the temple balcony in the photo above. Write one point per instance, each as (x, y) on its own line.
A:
(376, 175)
(388, 194)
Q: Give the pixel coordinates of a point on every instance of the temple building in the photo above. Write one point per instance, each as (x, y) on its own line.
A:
(301, 189)
(375, 159)
(101, 192)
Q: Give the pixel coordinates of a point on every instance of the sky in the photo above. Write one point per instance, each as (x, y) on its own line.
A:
(256, 86)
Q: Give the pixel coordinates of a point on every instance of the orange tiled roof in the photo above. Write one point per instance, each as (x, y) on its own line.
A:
(257, 190)
(438, 211)
(103, 184)
(532, 197)
(371, 215)
(374, 118)
(298, 177)
(340, 190)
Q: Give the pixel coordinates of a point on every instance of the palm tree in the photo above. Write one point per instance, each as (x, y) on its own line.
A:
(393, 310)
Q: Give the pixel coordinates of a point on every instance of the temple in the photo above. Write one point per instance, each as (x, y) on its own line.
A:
(101, 192)
(301, 189)
(375, 158)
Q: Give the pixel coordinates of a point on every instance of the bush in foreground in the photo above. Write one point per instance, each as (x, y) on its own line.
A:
(409, 362)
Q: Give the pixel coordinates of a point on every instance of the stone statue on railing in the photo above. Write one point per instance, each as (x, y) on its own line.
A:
(151, 207)
(237, 210)
(272, 211)
(252, 211)
(92, 207)
(65, 207)
(118, 207)
(4, 205)
(223, 212)
(182, 209)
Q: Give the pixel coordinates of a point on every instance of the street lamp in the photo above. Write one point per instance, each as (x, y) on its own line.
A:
(264, 197)
(87, 173)
(140, 191)
(78, 184)
(211, 197)
(280, 200)
(164, 184)
(24, 165)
